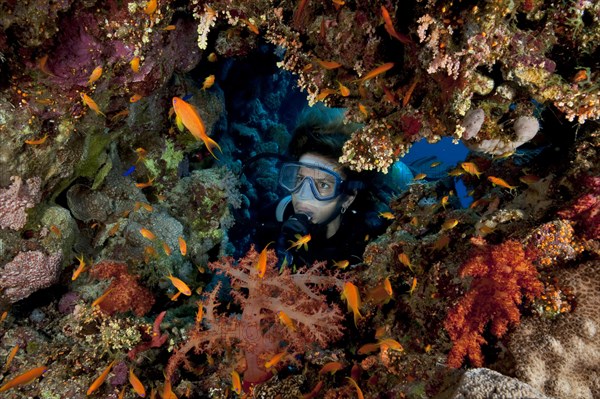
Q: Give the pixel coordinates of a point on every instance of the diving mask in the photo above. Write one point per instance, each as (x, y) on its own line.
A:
(324, 183)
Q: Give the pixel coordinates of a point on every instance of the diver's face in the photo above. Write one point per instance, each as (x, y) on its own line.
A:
(304, 200)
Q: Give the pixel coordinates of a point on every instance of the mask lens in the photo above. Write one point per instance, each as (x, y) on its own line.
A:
(324, 183)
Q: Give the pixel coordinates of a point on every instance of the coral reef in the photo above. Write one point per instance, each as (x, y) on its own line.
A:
(91, 156)
(503, 274)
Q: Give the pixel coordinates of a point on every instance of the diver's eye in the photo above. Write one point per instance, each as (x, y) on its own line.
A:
(299, 179)
(323, 185)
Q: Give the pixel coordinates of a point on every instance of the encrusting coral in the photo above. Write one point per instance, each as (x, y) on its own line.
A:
(560, 356)
(257, 332)
(29, 272)
(16, 199)
(126, 293)
(503, 274)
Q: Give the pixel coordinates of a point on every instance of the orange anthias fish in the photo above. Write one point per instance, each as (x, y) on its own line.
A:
(199, 313)
(450, 224)
(390, 343)
(145, 184)
(135, 382)
(496, 181)
(208, 82)
(409, 92)
(529, 179)
(141, 154)
(166, 249)
(102, 297)
(24, 378)
(352, 297)
(420, 176)
(91, 103)
(363, 110)
(377, 71)
(80, 269)
(387, 285)
(344, 91)
(135, 64)
(253, 28)
(96, 73)
(367, 348)
(389, 27)
(190, 119)
(328, 64)
(151, 7)
(470, 168)
(285, 320)
(413, 286)
(405, 260)
(100, 380)
(387, 215)
(167, 391)
(147, 234)
(180, 285)
(37, 142)
(10, 357)
(182, 246)
(302, 241)
(261, 265)
(275, 359)
(358, 390)
(324, 94)
(342, 264)
(135, 98)
(331, 367)
(236, 382)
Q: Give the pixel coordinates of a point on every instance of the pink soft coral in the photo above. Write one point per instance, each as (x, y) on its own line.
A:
(503, 274)
(257, 332)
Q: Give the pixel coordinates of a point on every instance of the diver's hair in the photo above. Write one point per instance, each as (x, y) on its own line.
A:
(320, 130)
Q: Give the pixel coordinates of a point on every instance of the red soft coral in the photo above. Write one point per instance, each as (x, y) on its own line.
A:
(503, 274)
(257, 332)
(127, 294)
(585, 210)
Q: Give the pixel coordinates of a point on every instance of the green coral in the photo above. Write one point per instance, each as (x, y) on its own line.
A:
(171, 156)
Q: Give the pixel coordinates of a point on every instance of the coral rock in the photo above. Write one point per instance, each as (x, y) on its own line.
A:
(16, 199)
(560, 357)
(29, 272)
(485, 383)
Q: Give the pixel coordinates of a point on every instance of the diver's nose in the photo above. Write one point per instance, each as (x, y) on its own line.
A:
(304, 192)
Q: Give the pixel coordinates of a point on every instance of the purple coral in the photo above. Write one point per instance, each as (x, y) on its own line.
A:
(15, 199)
(29, 272)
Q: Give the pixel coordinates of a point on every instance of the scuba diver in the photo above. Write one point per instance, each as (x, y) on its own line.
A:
(322, 216)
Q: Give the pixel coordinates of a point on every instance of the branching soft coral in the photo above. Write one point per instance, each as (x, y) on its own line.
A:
(258, 332)
(503, 274)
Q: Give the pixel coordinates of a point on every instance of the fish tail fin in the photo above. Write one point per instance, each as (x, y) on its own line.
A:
(357, 316)
(210, 144)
